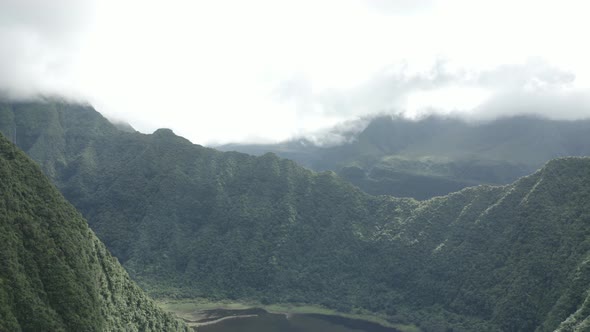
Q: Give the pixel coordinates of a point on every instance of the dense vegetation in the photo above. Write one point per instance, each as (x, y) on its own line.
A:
(436, 155)
(55, 275)
(191, 221)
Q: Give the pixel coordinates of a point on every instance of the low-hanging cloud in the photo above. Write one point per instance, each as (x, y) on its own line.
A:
(533, 87)
(37, 42)
(399, 7)
(192, 65)
(387, 90)
(556, 104)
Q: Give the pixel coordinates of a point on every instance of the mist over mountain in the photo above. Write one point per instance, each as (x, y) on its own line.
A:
(190, 221)
(289, 80)
(55, 274)
(334, 165)
(435, 155)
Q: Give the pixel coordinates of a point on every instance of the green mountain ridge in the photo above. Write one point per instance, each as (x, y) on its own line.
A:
(55, 275)
(436, 155)
(189, 221)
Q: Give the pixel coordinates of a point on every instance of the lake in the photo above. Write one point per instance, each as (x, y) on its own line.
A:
(259, 320)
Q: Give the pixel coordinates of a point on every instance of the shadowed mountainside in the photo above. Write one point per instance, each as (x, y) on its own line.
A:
(191, 221)
(55, 275)
(436, 155)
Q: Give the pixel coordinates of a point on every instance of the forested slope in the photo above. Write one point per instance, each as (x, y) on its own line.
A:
(436, 155)
(191, 221)
(55, 275)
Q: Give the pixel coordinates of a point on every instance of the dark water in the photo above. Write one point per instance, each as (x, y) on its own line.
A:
(262, 321)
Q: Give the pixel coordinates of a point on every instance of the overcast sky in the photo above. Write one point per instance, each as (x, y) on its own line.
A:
(221, 71)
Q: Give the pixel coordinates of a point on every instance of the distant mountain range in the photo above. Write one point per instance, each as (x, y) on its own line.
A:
(55, 275)
(436, 155)
(189, 221)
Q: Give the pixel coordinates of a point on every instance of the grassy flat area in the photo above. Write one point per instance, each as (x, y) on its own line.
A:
(192, 310)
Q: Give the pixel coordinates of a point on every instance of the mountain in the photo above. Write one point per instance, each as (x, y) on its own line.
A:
(55, 274)
(189, 221)
(436, 155)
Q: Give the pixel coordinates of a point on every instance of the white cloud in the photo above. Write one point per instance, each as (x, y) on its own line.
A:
(38, 40)
(218, 71)
(533, 86)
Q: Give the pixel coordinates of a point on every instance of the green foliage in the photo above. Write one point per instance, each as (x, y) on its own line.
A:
(435, 155)
(194, 222)
(55, 275)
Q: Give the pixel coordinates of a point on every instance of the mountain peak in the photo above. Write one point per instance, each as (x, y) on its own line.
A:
(165, 132)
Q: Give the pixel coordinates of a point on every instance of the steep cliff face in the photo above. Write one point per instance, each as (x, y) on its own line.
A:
(191, 221)
(55, 275)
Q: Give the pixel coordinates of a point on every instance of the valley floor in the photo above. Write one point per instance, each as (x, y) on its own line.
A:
(197, 312)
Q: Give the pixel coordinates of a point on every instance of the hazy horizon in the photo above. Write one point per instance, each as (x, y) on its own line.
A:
(266, 71)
